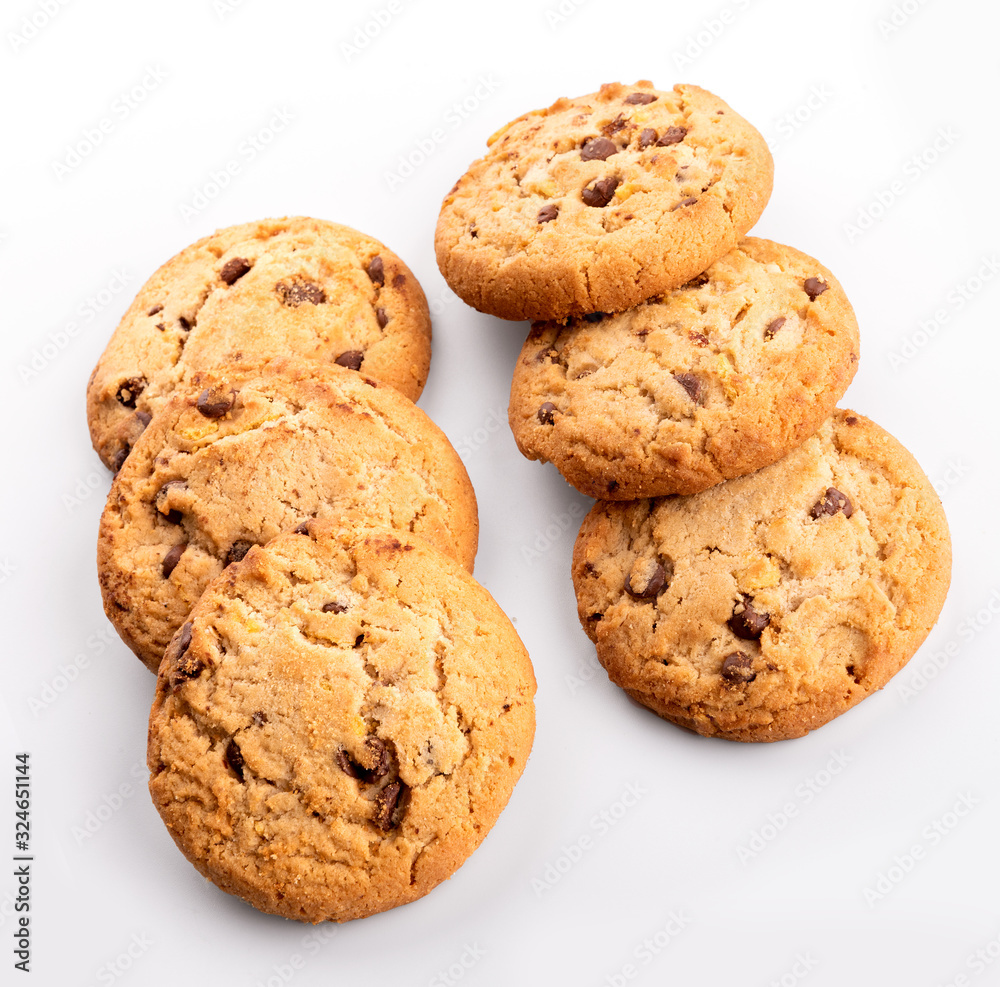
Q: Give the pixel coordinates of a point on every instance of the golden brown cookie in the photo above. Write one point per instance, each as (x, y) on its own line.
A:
(233, 460)
(764, 607)
(600, 202)
(713, 380)
(339, 723)
(296, 287)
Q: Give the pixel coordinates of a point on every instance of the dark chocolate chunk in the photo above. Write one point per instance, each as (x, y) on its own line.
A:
(216, 402)
(334, 607)
(692, 384)
(143, 418)
(814, 288)
(259, 718)
(737, 668)
(381, 761)
(746, 622)
(698, 338)
(171, 559)
(615, 125)
(385, 804)
(646, 138)
(234, 758)
(155, 310)
(598, 149)
(640, 99)
(832, 501)
(294, 293)
(376, 270)
(352, 359)
(547, 213)
(170, 514)
(546, 414)
(359, 640)
(773, 326)
(302, 528)
(601, 192)
(399, 280)
(688, 201)
(184, 323)
(654, 579)
(183, 640)
(347, 764)
(234, 269)
(672, 135)
(237, 551)
(595, 617)
(129, 390)
(381, 317)
(118, 460)
(594, 316)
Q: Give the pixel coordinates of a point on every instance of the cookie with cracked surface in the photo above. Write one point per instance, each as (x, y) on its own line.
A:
(339, 723)
(711, 381)
(600, 202)
(233, 460)
(764, 607)
(278, 287)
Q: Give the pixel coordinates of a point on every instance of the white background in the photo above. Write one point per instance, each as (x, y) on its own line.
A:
(881, 121)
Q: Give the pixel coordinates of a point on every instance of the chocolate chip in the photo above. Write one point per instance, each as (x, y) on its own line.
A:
(737, 668)
(746, 622)
(698, 338)
(385, 805)
(171, 559)
(649, 578)
(381, 761)
(155, 310)
(294, 293)
(216, 402)
(399, 280)
(647, 137)
(833, 500)
(160, 502)
(381, 317)
(773, 326)
(814, 288)
(595, 617)
(118, 460)
(376, 270)
(143, 418)
(183, 323)
(183, 640)
(601, 192)
(615, 125)
(347, 764)
(129, 390)
(640, 99)
(234, 269)
(234, 758)
(693, 385)
(598, 149)
(161, 326)
(546, 414)
(547, 213)
(352, 359)
(594, 316)
(672, 135)
(237, 551)
(359, 640)
(334, 607)
(302, 528)
(695, 283)
(689, 201)
(851, 420)
(259, 718)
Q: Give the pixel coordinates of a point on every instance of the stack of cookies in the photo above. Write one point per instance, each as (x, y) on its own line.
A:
(758, 561)
(341, 710)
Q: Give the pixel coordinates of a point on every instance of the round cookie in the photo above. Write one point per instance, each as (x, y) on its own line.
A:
(764, 607)
(711, 381)
(339, 724)
(278, 287)
(233, 460)
(601, 202)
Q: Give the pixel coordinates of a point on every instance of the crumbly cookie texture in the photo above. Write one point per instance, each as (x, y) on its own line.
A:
(278, 287)
(339, 723)
(711, 381)
(601, 202)
(235, 459)
(764, 607)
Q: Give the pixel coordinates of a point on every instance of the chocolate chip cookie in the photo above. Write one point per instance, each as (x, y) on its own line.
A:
(710, 381)
(234, 459)
(278, 287)
(339, 723)
(601, 202)
(764, 607)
